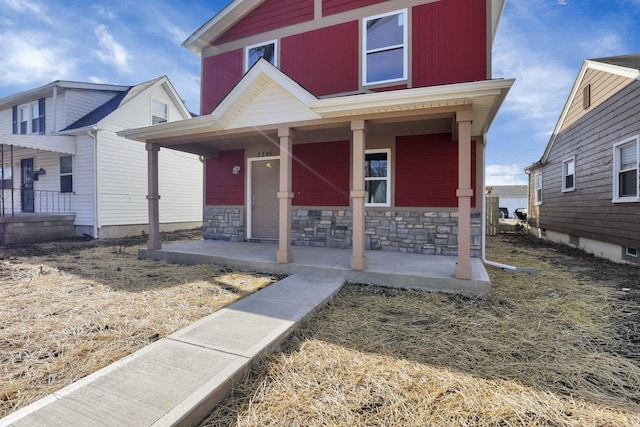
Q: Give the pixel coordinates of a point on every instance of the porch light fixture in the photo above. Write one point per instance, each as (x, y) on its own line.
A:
(41, 171)
(236, 170)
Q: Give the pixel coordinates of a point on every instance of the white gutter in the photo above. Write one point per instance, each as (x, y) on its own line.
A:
(93, 133)
(484, 224)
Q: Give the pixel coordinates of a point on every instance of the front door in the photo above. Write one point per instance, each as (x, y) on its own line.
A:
(26, 187)
(265, 176)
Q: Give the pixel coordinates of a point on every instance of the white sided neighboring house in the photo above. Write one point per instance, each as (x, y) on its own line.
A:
(64, 171)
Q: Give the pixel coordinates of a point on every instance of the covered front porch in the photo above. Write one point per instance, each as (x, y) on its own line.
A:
(391, 269)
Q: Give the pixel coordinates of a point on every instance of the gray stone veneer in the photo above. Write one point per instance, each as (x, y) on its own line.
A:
(433, 233)
(221, 223)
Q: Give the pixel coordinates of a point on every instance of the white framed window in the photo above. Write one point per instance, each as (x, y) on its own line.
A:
(537, 179)
(29, 118)
(377, 177)
(632, 252)
(66, 174)
(625, 171)
(569, 174)
(268, 51)
(385, 48)
(159, 112)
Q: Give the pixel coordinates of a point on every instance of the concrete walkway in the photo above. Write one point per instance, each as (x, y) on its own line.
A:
(179, 379)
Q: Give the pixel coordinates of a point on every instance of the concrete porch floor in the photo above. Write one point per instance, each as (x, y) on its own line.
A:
(393, 269)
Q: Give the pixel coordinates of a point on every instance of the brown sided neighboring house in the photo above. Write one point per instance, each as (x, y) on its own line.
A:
(585, 190)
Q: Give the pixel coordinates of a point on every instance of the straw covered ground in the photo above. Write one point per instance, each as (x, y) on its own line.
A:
(71, 308)
(557, 348)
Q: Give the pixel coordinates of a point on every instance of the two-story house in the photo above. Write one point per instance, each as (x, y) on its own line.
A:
(351, 124)
(585, 190)
(65, 172)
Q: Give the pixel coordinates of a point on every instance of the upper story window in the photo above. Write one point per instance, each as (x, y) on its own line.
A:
(29, 118)
(159, 112)
(384, 48)
(268, 51)
(377, 181)
(538, 188)
(569, 174)
(625, 171)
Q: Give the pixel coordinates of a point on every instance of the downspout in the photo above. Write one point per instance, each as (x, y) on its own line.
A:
(484, 224)
(93, 133)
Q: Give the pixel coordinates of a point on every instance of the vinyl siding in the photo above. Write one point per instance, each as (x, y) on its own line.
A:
(122, 169)
(602, 86)
(330, 62)
(427, 171)
(331, 7)
(270, 15)
(223, 188)
(588, 211)
(449, 42)
(83, 181)
(320, 174)
(77, 103)
(6, 117)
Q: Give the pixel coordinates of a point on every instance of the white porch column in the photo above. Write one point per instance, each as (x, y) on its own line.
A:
(358, 194)
(153, 197)
(285, 254)
(464, 194)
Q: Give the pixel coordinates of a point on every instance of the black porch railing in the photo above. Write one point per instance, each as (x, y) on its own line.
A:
(20, 201)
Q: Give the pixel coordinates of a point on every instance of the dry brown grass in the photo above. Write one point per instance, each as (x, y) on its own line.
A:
(559, 348)
(70, 309)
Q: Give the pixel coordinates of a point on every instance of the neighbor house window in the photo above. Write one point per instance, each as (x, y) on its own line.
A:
(384, 48)
(159, 112)
(632, 252)
(377, 177)
(625, 171)
(569, 174)
(66, 174)
(30, 118)
(263, 50)
(538, 187)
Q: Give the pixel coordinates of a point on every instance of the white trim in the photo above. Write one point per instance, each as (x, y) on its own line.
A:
(616, 172)
(537, 200)
(276, 50)
(387, 151)
(627, 252)
(404, 13)
(566, 189)
(250, 161)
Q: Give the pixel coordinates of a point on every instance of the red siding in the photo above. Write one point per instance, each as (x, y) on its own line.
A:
(324, 61)
(320, 174)
(330, 7)
(222, 186)
(449, 42)
(219, 74)
(270, 15)
(427, 171)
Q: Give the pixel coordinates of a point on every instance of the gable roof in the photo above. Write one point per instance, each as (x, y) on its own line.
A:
(122, 98)
(60, 85)
(238, 9)
(266, 98)
(625, 66)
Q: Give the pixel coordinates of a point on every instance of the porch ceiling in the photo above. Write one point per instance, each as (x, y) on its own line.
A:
(54, 143)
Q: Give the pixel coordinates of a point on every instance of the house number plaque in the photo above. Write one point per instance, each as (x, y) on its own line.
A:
(265, 154)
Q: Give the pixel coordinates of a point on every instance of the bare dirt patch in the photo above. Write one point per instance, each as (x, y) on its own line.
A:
(70, 308)
(557, 348)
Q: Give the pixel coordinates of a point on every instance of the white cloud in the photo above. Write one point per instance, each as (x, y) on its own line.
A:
(563, 2)
(505, 175)
(27, 58)
(111, 52)
(602, 45)
(29, 7)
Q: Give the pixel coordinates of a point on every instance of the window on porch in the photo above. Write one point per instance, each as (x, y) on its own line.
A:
(66, 174)
(377, 179)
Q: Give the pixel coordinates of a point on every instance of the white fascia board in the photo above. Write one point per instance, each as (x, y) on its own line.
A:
(630, 73)
(165, 130)
(233, 12)
(381, 100)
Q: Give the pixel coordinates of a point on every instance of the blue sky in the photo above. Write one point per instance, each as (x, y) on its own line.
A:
(540, 43)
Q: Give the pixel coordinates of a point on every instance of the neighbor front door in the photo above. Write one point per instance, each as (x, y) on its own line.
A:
(264, 198)
(26, 187)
